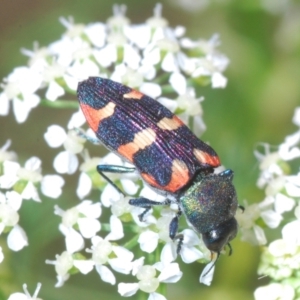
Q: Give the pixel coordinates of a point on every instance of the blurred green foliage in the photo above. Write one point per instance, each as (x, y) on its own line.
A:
(257, 105)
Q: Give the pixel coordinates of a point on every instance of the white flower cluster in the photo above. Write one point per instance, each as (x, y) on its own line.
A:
(159, 61)
(280, 179)
(19, 183)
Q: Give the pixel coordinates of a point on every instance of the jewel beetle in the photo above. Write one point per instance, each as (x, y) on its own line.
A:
(168, 157)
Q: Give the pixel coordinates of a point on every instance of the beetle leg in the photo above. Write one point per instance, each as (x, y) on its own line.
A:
(173, 229)
(147, 204)
(113, 169)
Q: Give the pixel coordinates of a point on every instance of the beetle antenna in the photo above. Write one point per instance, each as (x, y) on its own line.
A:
(230, 249)
(218, 255)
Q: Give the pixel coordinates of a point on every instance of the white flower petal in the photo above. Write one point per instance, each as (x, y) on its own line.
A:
(137, 264)
(30, 192)
(190, 237)
(88, 227)
(271, 218)
(106, 56)
(51, 186)
(4, 104)
(14, 200)
(116, 228)
(23, 107)
(123, 253)
(84, 185)
(170, 104)
(55, 136)
(168, 253)
(71, 82)
(283, 203)
(77, 120)
(33, 164)
(178, 83)
(170, 274)
(206, 278)
(150, 89)
(65, 163)
(84, 266)
(292, 190)
(129, 186)
(1, 255)
(291, 233)
(296, 117)
(131, 57)
(17, 239)
(127, 289)
(148, 241)
(259, 235)
(120, 265)
(169, 63)
(190, 254)
(109, 195)
(218, 80)
(106, 274)
(18, 296)
(54, 91)
(96, 32)
(90, 209)
(275, 291)
(74, 240)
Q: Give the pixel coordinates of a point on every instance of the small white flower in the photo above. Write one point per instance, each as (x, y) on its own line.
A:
(26, 295)
(85, 216)
(101, 252)
(65, 161)
(7, 155)
(148, 282)
(63, 264)
(9, 205)
(274, 291)
(20, 87)
(246, 220)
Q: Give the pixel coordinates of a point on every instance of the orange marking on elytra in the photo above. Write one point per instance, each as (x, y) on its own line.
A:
(205, 158)
(133, 94)
(95, 116)
(128, 150)
(180, 177)
(170, 124)
(141, 140)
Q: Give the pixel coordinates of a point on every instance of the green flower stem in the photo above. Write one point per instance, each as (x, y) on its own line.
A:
(60, 104)
(167, 89)
(142, 296)
(105, 227)
(162, 78)
(162, 289)
(131, 243)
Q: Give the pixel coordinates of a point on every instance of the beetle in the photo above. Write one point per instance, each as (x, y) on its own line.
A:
(168, 157)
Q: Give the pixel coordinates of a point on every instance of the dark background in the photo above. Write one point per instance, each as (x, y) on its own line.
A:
(257, 105)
